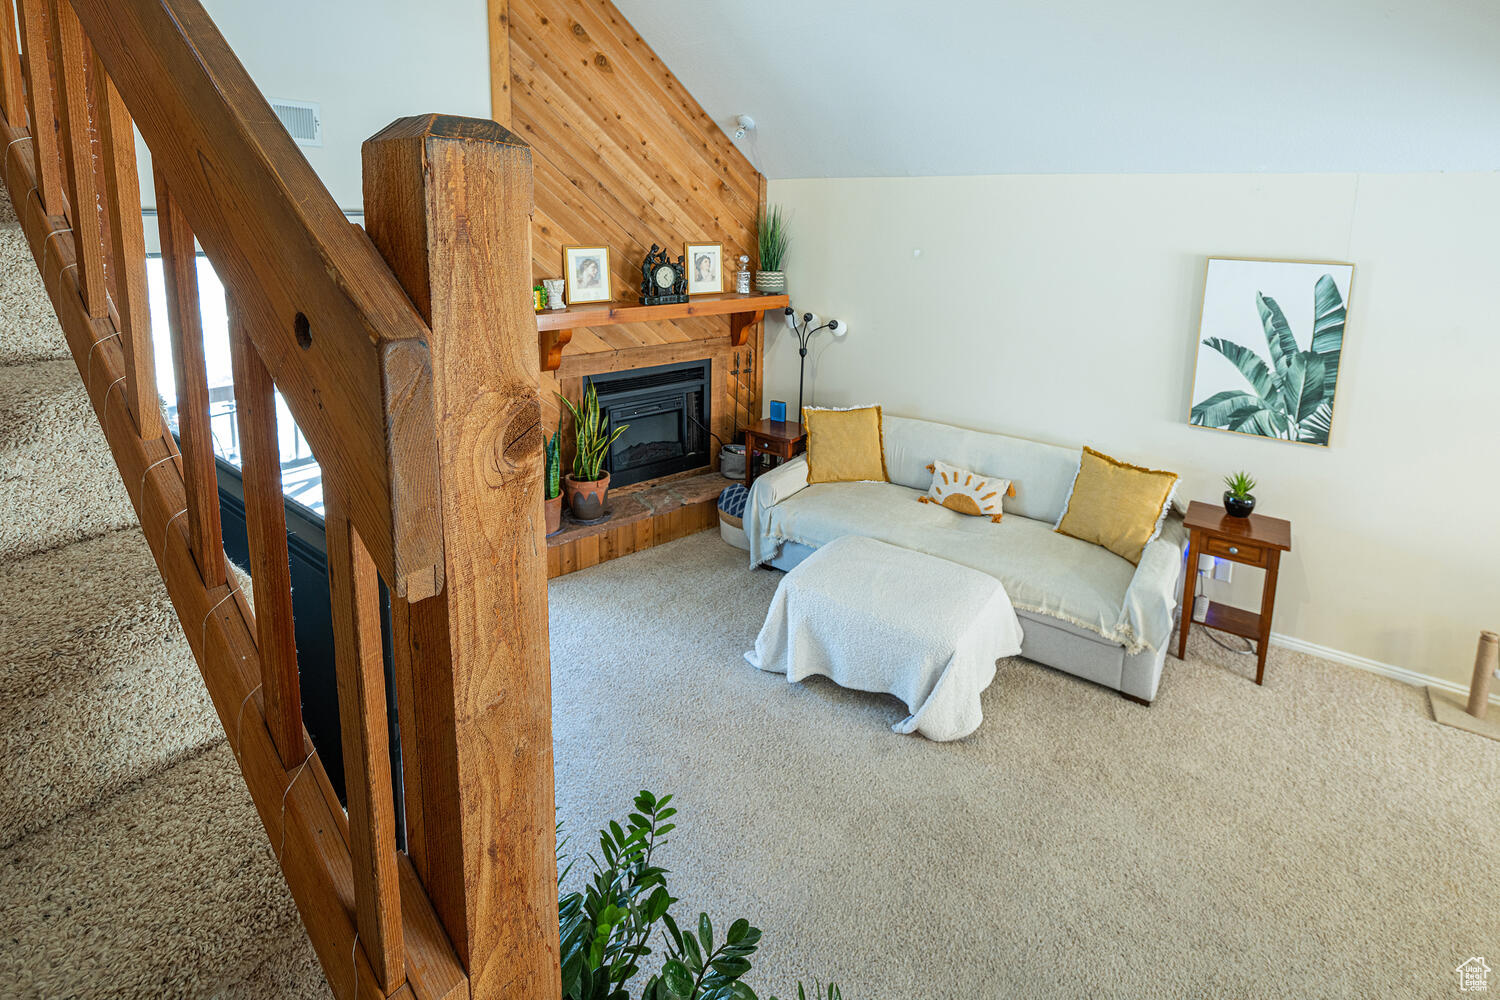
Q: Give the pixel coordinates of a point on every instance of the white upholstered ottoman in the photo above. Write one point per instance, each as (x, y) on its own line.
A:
(874, 617)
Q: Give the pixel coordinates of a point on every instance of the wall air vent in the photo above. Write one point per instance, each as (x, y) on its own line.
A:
(302, 119)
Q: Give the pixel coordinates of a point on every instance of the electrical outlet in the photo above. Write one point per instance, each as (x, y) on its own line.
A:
(1222, 569)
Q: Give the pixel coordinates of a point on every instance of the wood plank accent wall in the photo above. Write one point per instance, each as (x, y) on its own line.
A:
(625, 157)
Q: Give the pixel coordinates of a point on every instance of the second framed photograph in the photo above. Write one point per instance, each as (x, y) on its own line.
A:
(587, 273)
(705, 267)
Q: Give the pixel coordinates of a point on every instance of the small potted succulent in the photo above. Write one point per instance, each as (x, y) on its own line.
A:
(588, 486)
(1238, 500)
(553, 453)
(773, 238)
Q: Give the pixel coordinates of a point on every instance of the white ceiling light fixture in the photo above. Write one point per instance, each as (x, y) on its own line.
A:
(745, 123)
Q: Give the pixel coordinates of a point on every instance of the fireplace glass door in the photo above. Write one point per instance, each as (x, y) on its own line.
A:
(665, 418)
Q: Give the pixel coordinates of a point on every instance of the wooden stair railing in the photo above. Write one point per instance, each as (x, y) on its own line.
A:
(414, 377)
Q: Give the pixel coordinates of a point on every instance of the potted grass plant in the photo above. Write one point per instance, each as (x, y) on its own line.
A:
(553, 454)
(1238, 500)
(773, 238)
(588, 486)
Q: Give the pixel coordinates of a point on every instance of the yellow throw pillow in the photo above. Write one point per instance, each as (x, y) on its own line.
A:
(1116, 505)
(966, 492)
(844, 446)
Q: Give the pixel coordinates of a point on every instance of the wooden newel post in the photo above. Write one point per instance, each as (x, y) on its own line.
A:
(448, 203)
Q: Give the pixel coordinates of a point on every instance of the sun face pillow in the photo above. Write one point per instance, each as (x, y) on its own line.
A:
(965, 492)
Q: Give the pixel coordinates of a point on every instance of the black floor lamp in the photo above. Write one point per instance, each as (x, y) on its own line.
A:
(804, 327)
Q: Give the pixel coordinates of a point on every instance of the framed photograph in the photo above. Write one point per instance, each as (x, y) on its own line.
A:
(1269, 343)
(587, 272)
(705, 268)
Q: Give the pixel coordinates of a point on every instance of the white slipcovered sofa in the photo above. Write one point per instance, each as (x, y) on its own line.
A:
(1083, 609)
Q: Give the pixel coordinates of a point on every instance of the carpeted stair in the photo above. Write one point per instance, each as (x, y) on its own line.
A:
(132, 862)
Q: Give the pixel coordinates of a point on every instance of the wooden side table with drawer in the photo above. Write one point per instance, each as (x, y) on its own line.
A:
(771, 437)
(1257, 541)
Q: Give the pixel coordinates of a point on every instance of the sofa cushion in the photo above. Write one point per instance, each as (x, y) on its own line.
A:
(1117, 505)
(844, 446)
(1041, 473)
(1041, 570)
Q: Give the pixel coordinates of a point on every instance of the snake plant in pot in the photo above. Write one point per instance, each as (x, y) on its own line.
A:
(552, 451)
(588, 485)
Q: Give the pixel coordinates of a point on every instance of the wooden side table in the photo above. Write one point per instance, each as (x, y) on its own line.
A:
(1256, 540)
(771, 437)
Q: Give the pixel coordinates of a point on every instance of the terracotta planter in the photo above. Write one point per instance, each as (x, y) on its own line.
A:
(586, 500)
(554, 514)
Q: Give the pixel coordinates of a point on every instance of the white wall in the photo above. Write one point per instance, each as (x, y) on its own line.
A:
(888, 88)
(1065, 308)
(366, 63)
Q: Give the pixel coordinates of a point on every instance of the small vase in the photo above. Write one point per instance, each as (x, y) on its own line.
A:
(1238, 507)
(586, 499)
(770, 282)
(554, 514)
(554, 288)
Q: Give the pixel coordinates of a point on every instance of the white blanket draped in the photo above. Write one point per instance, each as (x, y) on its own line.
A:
(874, 617)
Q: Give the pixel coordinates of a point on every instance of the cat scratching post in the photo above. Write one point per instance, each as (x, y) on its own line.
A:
(1486, 662)
(1473, 716)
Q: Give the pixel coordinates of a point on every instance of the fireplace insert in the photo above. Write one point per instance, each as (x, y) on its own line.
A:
(667, 410)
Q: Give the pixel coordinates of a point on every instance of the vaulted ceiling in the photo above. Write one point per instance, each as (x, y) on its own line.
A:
(853, 88)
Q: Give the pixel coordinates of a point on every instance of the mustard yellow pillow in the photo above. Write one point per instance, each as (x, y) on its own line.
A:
(1117, 505)
(844, 446)
(965, 492)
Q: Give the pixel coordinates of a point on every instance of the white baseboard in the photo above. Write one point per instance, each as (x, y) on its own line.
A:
(1373, 666)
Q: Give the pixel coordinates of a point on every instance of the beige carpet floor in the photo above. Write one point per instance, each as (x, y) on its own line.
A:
(1317, 837)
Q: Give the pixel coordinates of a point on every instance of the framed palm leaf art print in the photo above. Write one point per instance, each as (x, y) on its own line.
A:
(1269, 344)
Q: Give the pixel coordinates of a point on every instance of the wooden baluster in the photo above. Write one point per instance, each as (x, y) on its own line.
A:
(354, 590)
(448, 202)
(265, 526)
(122, 199)
(36, 41)
(180, 269)
(12, 90)
(73, 54)
(96, 158)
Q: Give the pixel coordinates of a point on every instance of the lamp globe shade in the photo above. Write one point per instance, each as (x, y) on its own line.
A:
(790, 317)
(838, 328)
(813, 320)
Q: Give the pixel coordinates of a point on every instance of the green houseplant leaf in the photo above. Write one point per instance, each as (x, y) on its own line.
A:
(1329, 313)
(1302, 385)
(592, 435)
(772, 238)
(1328, 321)
(1236, 409)
(1279, 336)
(1250, 365)
(606, 927)
(1261, 420)
(552, 452)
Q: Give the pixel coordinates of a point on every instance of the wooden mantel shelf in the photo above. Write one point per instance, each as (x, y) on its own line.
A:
(555, 326)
